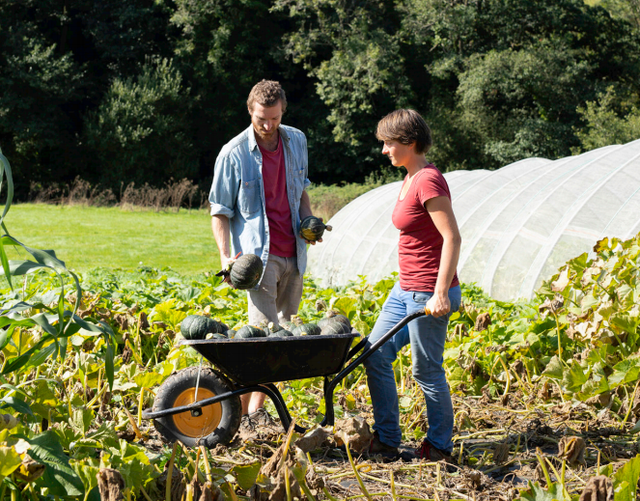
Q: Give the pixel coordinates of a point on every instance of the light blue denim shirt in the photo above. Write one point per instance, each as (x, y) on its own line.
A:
(237, 191)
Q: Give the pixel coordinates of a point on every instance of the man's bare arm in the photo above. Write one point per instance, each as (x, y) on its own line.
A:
(305, 205)
(220, 228)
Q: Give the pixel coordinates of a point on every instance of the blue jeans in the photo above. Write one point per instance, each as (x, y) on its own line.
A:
(427, 336)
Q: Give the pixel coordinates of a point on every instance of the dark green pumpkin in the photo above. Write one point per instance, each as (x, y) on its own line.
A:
(310, 329)
(312, 228)
(250, 332)
(274, 330)
(333, 326)
(288, 326)
(333, 317)
(281, 333)
(198, 326)
(246, 271)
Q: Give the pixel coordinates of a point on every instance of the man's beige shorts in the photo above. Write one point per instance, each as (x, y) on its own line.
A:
(279, 294)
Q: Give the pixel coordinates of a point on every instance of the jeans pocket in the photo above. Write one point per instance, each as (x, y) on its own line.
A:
(421, 297)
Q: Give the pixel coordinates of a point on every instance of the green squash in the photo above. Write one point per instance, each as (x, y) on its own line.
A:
(309, 329)
(277, 331)
(246, 272)
(333, 326)
(312, 228)
(198, 326)
(250, 332)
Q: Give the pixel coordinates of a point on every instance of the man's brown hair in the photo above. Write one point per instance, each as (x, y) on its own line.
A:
(406, 127)
(267, 93)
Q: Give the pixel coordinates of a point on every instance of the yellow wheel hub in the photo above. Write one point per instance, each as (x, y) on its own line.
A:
(197, 426)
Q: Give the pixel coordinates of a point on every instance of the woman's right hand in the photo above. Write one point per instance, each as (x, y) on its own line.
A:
(438, 305)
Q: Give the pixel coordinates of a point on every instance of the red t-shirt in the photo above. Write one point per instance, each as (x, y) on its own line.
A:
(282, 241)
(420, 245)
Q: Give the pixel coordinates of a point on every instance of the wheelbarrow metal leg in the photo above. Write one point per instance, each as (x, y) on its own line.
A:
(329, 417)
(281, 407)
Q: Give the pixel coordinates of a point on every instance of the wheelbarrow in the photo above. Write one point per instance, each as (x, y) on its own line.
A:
(201, 406)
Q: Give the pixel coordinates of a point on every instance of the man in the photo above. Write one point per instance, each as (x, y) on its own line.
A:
(258, 199)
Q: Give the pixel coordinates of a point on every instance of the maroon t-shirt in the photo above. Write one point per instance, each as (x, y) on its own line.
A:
(420, 245)
(282, 241)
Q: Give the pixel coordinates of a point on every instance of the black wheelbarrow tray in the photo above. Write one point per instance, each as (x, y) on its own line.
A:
(201, 406)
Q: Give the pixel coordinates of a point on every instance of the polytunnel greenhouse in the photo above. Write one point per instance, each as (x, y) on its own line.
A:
(519, 224)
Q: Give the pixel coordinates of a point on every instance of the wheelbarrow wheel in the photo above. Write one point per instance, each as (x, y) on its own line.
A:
(217, 423)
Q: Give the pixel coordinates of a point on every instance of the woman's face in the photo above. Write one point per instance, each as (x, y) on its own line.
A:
(398, 153)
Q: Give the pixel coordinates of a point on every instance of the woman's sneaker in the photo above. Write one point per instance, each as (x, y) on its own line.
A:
(430, 453)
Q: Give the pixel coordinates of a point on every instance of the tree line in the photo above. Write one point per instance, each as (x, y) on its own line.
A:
(146, 91)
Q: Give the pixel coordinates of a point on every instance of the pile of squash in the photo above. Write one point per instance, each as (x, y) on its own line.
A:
(202, 327)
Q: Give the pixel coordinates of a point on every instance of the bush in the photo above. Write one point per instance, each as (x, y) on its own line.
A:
(140, 133)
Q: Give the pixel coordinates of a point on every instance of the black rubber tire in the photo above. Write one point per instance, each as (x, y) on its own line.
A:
(183, 381)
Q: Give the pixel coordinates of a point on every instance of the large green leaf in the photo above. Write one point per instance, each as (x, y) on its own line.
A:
(554, 368)
(132, 462)
(17, 268)
(88, 473)
(58, 477)
(148, 379)
(625, 480)
(536, 492)
(9, 461)
(5, 171)
(627, 371)
(575, 378)
(16, 404)
(246, 474)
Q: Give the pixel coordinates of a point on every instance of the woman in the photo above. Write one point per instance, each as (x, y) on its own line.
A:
(428, 253)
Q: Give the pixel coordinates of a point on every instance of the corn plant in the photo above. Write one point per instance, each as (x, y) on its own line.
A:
(35, 328)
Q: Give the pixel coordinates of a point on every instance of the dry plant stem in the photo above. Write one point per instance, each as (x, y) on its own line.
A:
(140, 405)
(484, 433)
(631, 401)
(287, 483)
(559, 337)
(198, 473)
(328, 494)
(393, 486)
(132, 421)
(392, 482)
(287, 443)
(506, 371)
(97, 396)
(355, 470)
(134, 352)
(170, 472)
(144, 493)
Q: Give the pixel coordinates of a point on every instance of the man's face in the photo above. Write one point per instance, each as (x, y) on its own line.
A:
(266, 120)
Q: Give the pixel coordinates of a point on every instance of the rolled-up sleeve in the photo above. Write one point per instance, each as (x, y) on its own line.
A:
(224, 189)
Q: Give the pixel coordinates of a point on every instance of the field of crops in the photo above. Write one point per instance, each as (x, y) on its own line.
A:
(545, 393)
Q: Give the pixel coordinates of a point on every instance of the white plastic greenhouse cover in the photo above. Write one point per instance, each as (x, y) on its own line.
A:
(519, 224)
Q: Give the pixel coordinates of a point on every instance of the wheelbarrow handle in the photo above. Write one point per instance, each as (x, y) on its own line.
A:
(362, 342)
(330, 387)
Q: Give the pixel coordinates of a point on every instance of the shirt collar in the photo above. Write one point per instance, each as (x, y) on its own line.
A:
(253, 144)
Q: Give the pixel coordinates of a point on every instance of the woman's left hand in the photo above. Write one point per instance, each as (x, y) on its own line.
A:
(438, 305)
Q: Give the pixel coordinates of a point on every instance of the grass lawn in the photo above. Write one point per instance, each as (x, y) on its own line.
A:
(90, 237)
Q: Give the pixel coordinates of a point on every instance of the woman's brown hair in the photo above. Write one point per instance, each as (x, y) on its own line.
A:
(406, 127)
